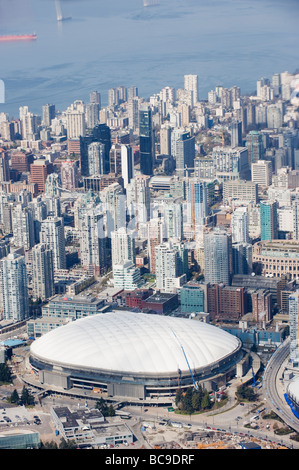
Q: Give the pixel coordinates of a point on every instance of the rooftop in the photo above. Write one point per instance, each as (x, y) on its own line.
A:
(79, 417)
(77, 299)
(160, 297)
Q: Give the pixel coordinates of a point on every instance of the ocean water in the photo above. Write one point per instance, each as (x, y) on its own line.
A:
(118, 42)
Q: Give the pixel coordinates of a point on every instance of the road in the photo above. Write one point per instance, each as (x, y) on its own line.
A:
(273, 387)
(222, 422)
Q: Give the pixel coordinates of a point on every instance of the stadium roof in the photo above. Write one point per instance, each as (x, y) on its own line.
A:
(135, 342)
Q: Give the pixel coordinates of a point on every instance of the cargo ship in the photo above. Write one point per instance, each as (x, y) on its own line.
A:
(18, 37)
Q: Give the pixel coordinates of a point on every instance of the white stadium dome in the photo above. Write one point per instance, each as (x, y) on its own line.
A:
(119, 345)
(135, 342)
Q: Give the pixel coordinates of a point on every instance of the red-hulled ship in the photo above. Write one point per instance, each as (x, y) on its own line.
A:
(18, 37)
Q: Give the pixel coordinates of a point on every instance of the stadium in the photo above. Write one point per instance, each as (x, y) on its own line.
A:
(292, 396)
(135, 355)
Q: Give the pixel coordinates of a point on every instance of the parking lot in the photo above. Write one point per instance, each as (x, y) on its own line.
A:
(12, 417)
(17, 416)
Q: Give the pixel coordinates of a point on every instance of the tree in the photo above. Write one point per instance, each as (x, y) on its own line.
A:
(70, 444)
(111, 411)
(14, 397)
(178, 397)
(49, 445)
(103, 407)
(196, 400)
(5, 374)
(206, 402)
(245, 392)
(187, 401)
(26, 397)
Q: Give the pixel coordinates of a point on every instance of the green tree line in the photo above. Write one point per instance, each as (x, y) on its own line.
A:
(25, 399)
(192, 400)
(104, 408)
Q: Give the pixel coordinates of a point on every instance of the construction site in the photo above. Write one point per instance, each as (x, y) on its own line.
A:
(177, 436)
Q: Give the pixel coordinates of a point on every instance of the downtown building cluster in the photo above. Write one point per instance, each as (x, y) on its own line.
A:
(177, 203)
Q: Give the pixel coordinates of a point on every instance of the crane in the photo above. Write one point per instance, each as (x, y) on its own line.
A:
(195, 384)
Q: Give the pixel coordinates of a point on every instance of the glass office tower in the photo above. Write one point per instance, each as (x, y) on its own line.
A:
(147, 144)
(269, 222)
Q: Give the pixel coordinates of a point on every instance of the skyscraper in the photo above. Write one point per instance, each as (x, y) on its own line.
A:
(96, 158)
(155, 229)
(276, 84)
(123, 245)
(236, 133)
(75, 120)
(28, 123)
(39, 171)
(127, 164)
(242, 258)
(52, 235)
(113, 97)
(133, 112)
(93, 242)
(165, 140)
(197, 202)
(115, 159)
(92, 115)
(113, 208)
(191, 84)
(167, 94)
(255, 146)
(167, 264)
(23, 226)
(42, 272)
(132, 92)
(173, 216)
(147, 142)
(260, 84)
(95, 97)
(240, 225)
(100, 133)
(48, 114)
(6, 206)
(13, 287)
(4, 166)
(295, 207)
(269, 220)
(274, 116)
(217, 257)
(183, 150)
(138, 200)
(261, 173)
(231, 163)
(69, 175)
